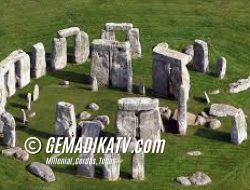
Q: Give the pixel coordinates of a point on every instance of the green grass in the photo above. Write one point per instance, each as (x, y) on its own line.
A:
(225, 25)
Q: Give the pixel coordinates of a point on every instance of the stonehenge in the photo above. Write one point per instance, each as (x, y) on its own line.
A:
(132, 36)
(240, 85)
(111, 64)
(38, 61)
(139, 117)
(239, 124)
(59, 45)
(9, 129)
(65, 121)
(200, 60)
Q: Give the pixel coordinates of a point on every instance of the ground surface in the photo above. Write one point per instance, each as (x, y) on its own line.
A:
(224, 25)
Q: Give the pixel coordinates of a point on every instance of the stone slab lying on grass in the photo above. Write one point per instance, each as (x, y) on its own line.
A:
(183, 181)
(240, 85)
(42, 171)
(200, 178)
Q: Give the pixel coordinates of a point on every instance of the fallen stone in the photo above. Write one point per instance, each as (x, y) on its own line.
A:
(84, 115)
(200, 120)
(194, 153)
(191, 118)
(42, 171)
(29, 99)
(200, 178)
(64, 83)
(183, 181)
(32, 114)
(36, 92)
(214, 92)
(206, 97)
(240, 85)
(104, 119)
(204, 114)
(214, 124)
(22, 155)
(10, 151)
(221, 67)
(93, 106)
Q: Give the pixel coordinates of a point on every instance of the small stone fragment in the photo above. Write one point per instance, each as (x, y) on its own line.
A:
(22, 155)
(94, 85)
(183, 181)
(191, 118)
(24, 117)
(142, 89)
(214, 92)
(93, 106)
(206, 97)
(36, 92)
(221, 67)
(64, 83)
(214, 124)
(10, 151)
(84, 115)
(104, 119)
(200, 178)
(200, 120)
(194, 153)
(32, 114)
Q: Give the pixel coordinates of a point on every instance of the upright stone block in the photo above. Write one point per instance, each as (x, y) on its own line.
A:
(90, 128)
(221, 67)
(65, 120)
(101, 60)
(121, 70)
(182, 109)
(9, 129)
(200, 59)
(150, 125)
(38, 61)
(138, 166)
(108, 35)
(86, 169)
(85, 47)
(134, 40)
(239, 128)
(59, 54)
(111, 168)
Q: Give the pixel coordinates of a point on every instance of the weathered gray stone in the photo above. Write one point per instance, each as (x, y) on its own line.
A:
(65, 120)
(3, 101)
(84, 115)
(189, 50)
(150, 125)
(169, 70)
(191, 118)
(138, 166)
(9, 129)
(134, 40)
(67, 32)
(142, 89)
(38, 61)
(138, 103)
(29, 99)
(214, 124)
(200, 60)
(22, 155)
(200, 120)
(85, 47)
(101, 60)
(222, 110)
(239, 128)
(166, 115)
(200, 178)
(36, 92)
(111, 168)
(90, 128)
(104, 119)
(108, 35)
(118, 26)
(10, 151)
(240, 85)
(24, 117)
(42, 171)
(93, 106)
(183, 180)
(87, 168)
(182, 110)
(94, 85)
(221, 67)
(121, 67)
(59, 53)
(126, 123)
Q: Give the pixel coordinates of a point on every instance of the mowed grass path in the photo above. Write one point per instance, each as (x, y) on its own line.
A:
(225, 25)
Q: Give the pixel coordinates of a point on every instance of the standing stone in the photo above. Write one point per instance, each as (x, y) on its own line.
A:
(239, 128)
(108, 35)
(138, 166)
(9, 129)
(133, 38)
(90, 128)
(24, 117)
(87, 168)
(189, 50)
(38, 61)
(221, 67)
(85, 46)
(142, 89)
(65, 120)
(182, 110)
(100, 62)
(94, 85)
(121, 70)
(111, 166)
(2, 101)
(200, 59)
(36, 92)
(29, 99)
(150, 125)
(59, 54)
(126, 123)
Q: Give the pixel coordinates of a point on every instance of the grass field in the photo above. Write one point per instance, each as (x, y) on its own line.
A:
(224, 24)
